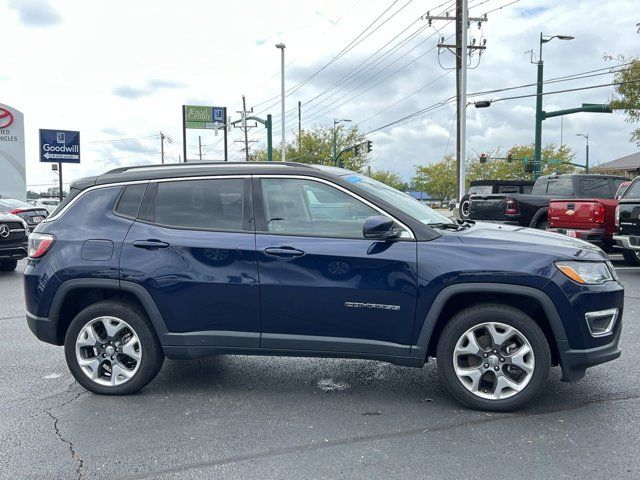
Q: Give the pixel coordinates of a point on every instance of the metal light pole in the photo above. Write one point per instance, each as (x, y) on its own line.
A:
(336, 122)
(281, 46)
(537, 155)
(586, 136)
(462, 106)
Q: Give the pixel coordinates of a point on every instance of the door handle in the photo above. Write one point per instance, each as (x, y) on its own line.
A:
(283, 252)
(150, 244)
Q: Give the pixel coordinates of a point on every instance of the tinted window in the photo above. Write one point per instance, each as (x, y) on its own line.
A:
(306, 207)
(596, 187)
(508, 189)
(212, 204)
(527, 189)
(540, 187)
(633, 191)
(129, 202)
(560, 186)
(481, 190)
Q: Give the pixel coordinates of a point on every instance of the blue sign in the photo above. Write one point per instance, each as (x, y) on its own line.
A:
(218, 114)
(59, 146)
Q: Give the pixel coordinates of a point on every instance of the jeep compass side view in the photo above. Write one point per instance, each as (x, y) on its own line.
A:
(301, 260)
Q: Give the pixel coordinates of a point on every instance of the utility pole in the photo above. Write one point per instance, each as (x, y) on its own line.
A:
(299, 126)
(283, 146)
(162, 147)
(199, 147)
(461, 50)
(243, 125)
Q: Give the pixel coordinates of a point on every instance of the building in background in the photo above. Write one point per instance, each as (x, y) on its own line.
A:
(13, 178)
(628, 166)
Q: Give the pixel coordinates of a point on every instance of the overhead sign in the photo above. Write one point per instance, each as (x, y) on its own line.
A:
(60, 146)
(12, 158)
(200, 117)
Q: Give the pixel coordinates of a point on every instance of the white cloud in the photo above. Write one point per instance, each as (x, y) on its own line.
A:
(35, 13)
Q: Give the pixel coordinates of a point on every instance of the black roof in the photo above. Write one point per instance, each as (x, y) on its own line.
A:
(177, 170)
(585, 175)
(477, 183)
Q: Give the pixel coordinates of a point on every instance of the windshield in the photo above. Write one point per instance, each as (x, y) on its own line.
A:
(401, 201)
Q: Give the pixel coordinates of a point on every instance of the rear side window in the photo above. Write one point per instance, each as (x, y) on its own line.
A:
(560, 186)
(633, 191)
(540, 187)
(129, 202)
(596, 187)
(215, 204)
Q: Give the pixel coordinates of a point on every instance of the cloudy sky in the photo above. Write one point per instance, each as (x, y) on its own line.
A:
(119, 72)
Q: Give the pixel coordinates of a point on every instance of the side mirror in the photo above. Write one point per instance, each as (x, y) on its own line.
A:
(379, 227)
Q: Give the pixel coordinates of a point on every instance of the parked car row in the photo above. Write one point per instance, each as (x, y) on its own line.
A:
(577, 205)
(17, 220)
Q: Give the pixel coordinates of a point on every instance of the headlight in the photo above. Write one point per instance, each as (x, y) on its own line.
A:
(586, 273)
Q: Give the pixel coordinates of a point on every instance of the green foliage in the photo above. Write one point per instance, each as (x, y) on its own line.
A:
(439, 179)
(390, 178)
(31, 195)
(627, 96)
(316, 146)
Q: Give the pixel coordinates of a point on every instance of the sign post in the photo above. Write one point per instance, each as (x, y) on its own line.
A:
(59, 146)
(203, 118)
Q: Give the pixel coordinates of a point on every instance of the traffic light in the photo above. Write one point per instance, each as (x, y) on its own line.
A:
(356, 150)
(369, 146)
(483, 158)
(509, 157)
(528, 166)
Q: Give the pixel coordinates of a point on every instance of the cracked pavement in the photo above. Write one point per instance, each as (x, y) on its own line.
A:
(262, 417)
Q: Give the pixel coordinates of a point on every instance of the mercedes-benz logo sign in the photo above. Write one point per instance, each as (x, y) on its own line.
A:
(4, 231)
(6, 118)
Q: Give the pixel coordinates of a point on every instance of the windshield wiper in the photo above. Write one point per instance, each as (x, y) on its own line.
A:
(457, 225)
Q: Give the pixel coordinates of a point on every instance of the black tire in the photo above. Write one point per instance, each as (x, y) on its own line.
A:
(493, 312)
(631, 257)
(8, 266)
(463, 209)
(542, 224)
(151, 359)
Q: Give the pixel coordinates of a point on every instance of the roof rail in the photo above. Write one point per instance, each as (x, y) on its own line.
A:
(204, 164)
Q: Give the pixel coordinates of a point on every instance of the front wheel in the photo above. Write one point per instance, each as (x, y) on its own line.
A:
(110, 348)
(493, 357)
(632, 257)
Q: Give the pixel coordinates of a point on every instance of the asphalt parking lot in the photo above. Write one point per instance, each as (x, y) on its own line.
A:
(261, 417)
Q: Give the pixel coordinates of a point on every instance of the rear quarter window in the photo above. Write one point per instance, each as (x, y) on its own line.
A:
(596, 187)
(129, 201)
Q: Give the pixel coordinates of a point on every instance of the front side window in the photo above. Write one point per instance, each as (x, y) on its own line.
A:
(215, 204)
(633, 190)
(307, 207)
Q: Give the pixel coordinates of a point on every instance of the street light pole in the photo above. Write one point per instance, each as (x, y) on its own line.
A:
(336, 122)
(537, 154)
(281, 46)
(586, 137)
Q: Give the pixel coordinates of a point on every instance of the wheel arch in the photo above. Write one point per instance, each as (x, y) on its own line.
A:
(542, 212)
(455, 298)
(75, 295)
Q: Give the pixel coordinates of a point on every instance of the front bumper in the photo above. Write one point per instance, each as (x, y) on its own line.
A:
(13, 252)
(574, 363)
(628, 242)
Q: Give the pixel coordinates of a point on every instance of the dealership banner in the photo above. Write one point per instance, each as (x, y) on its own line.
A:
(13, 177)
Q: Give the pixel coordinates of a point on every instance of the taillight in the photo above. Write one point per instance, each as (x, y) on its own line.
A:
(511, 207)
(17, 210)
(39, 244)
(599, 213)
(617, 216)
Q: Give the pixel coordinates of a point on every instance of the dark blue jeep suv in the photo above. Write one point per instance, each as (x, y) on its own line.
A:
(301, 260)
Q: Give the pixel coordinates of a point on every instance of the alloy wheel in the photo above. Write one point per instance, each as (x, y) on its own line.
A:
(493, 360)
(108, 351)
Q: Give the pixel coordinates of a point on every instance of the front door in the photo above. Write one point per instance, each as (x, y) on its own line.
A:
(325, 287)
(193, 249)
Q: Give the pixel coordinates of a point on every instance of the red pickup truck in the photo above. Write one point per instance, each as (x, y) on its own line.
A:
(590, 219)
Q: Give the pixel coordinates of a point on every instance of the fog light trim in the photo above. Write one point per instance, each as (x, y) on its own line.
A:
(591, 317)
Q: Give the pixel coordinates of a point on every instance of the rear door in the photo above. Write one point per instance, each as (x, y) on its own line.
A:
(324, 287)
(193, 249)
(629, 206)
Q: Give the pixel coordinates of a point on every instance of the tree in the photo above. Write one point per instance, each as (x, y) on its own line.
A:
(628, 92)
(390, 178)
(316, 146)
(32, 195)
(437, 179)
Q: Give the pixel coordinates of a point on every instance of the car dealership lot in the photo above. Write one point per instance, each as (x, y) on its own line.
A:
(264, 417)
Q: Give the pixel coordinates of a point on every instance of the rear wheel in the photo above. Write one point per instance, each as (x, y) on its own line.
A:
(542, 224)
(493, 357)
(9, 266)
(110, 348)
(464, 208)
(632, 257)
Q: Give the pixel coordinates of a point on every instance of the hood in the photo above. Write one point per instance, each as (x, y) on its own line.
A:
(510, 237)
(10, 217)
